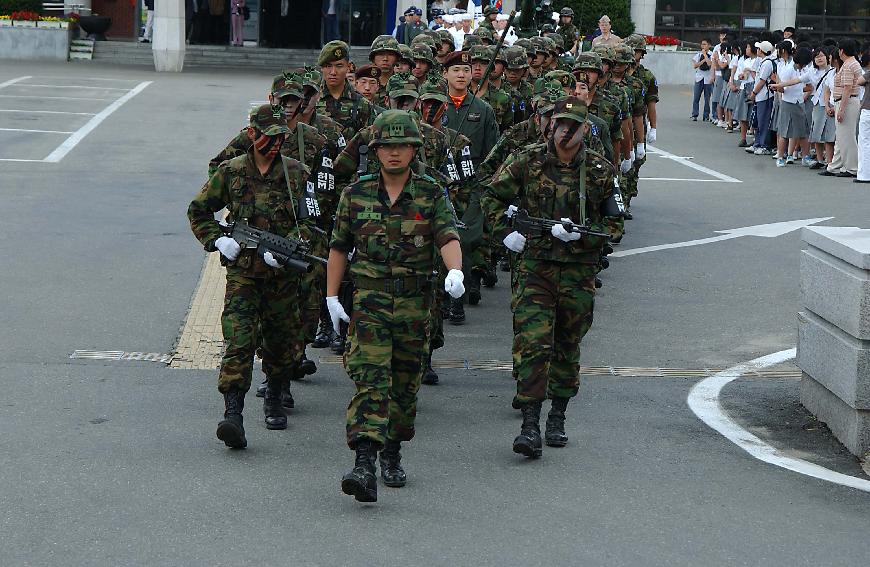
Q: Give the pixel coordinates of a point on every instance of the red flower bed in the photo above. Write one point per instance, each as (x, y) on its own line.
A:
(661, 40)
(24, 15)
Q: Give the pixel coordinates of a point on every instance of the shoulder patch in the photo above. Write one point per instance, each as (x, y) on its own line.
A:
(368, 177)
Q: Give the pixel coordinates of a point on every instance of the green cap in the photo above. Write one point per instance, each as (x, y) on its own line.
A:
(571, 108)
(333, 51)
(268, 119)
(395, 127)
(402, 84)
(434, 90)
(305, 76)
(282, 86)
(539, 45)
(515, 58)
(384, 43)
(567, 12)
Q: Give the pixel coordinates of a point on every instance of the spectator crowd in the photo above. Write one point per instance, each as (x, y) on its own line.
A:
(796, 101)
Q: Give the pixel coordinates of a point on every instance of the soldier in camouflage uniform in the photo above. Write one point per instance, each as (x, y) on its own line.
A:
(446, 45)
(484, 90)
(516, 70)
(264, 189)
(470, 40)
(485, 35)
(424, 63)
(650, 99)
(555, 295)
(406, 60)
(540, 51)
(384, 55)
(567, 29)
(622, 65)
(396, 222)
(339, 101)
(490, 13)
(551, 59)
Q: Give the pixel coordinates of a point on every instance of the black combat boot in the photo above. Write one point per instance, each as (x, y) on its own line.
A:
(261, 389)
(337, 344)
(391, 465)
(360, 482)
(230, 430)
(554, 434)
(430, 377)
(305, 367)
(276, 418)
(528, 442)
(457, 311)
(287, 400)
(325, 332)
(473, 287)
(598, 283)
(490, 276)
(505, 264)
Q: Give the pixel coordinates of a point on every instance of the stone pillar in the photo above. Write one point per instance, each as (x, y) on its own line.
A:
(782, 13)
(643, 14)
(834, 332)
(168, 41)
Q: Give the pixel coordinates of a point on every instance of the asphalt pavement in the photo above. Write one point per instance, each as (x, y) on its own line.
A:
(116, 462)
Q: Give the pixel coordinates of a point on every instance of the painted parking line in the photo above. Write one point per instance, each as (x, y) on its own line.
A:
(41, 97)
(683, 179)
(70, 87)
(5, 84)
(47, 112)
(703, 400)
(688, 163)
(34, 131)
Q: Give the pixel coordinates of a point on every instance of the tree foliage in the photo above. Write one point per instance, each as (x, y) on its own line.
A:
(9, 6)
(588, 12)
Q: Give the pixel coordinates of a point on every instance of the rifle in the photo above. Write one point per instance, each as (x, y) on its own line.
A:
(289, 252)
(534, 226)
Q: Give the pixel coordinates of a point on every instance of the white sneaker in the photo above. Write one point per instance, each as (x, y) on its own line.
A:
(758, 151)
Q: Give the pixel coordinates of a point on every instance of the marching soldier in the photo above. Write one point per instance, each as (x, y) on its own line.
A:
(560, 181)
(568, 30)
(495, 97)
(516, 69)
(339, 101)
(648, 114)
(265, 190)
(396, 222)
(384, 54)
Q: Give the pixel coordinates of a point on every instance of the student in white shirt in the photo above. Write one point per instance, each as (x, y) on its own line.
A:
(763, 98)
(745, 81)
(731, 94)
(824, 127)
(720, 62)
(702, 62)
(792, 126)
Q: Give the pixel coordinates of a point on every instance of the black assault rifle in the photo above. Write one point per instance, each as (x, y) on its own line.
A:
(289, 252)
(530, 226)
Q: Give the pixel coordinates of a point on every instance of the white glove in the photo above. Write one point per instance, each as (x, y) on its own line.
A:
(453, 283)
(270, 260)
(228, 247)
(641, 151)
(625, 166)
(511, 211)
(336, 312)
(651, 136)
(515, 242)
(559, 232)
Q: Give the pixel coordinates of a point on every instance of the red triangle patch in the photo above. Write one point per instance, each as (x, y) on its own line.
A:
(418, 217)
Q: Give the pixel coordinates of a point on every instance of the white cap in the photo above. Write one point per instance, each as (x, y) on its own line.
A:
(467, 16)
(765, 46)
(604, 18)
(448, 18)
(502, 17)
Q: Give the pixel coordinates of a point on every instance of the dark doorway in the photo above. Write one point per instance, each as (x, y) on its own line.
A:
(290, 23)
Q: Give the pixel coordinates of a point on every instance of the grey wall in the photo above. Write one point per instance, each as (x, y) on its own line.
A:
(671, 67)
(34, 43)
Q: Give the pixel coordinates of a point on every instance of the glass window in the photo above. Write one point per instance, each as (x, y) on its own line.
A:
(815, 7)
(668, 5)
(667, 20)
(756, 7)
(847, 8)
(847, 25)
(727, 6)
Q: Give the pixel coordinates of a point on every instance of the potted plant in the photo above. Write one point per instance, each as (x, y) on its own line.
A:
(24, 19)
(49, 22)
(5, 21)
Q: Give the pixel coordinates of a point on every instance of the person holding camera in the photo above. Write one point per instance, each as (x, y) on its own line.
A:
(702, 62)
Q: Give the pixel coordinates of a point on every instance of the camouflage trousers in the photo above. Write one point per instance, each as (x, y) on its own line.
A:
(439, 300)
(616, 226)
(388, 342)
(268, 307)
(553, 312)
(313, 290)
(631, 181)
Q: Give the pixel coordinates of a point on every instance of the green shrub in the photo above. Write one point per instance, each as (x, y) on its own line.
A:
(587, 13)
(9, 6)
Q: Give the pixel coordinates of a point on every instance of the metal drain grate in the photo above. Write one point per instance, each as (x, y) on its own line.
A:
(121, 355)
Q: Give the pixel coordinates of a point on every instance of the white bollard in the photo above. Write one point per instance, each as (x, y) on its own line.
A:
(168, 39)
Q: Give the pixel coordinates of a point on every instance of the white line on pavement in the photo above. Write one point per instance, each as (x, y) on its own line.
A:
(34, 131)
(70, 87)
(5, 84)
(693, 165)
(682, 179)
(47, 112)
(29, 96)
(22, 160)
(703, 400)
(71, 142)
(88, 79)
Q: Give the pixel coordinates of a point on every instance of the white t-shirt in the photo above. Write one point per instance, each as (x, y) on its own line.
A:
(458, 37)
(765, 70)
(816, 76)
(829, 82)
(706, 76)
(794, 93)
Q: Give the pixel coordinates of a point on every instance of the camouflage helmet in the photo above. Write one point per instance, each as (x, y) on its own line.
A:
(384, 43)
(558, 40)
(268, 119)
(490, 10)
(307, 76)
(564, 78)
(485, 34)
(550, 45)
(469, 41)
(333, 51)
(567, 60)
(445, 36)
(525, 43)
(427, 41)
(515, 58)
(636, 42)
(422, 52)
(566, 12)
(434, 90)
(547, 28)
(481, 53)
(587, 61)
(582, 76)
(395, 127)
(545, 101)
(539, 45)
(571, 108)
(282, 86)
(405, 54)
(604, 52)
(402, 84)
(623, 54)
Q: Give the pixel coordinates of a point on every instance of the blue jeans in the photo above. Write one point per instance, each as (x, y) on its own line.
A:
(330, 29)
(763, 109)
(696, 98)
